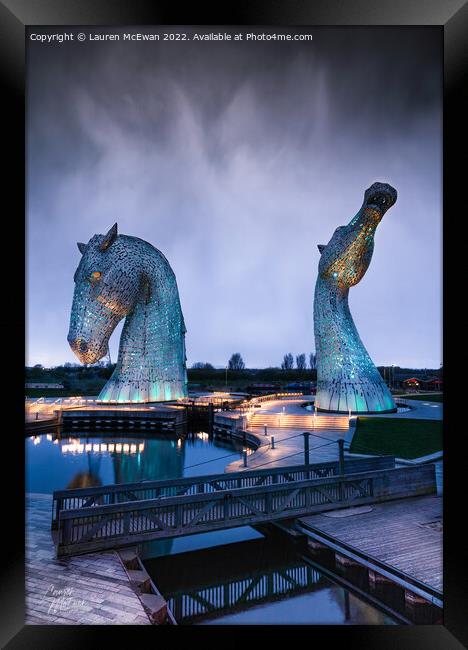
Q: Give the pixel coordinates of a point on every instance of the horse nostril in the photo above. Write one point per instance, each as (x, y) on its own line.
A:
(83, 346)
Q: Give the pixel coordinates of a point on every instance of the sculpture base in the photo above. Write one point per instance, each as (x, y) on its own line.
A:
(395, 410)
(141, 392)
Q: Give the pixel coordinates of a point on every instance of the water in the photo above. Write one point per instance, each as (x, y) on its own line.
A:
(265, 582)
(82, 459)
(85, 460)
(194, 569)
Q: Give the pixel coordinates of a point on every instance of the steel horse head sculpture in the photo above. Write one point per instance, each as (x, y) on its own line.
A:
(347, 379)
(125, 277)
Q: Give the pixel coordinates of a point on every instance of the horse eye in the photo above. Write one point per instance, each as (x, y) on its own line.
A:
(96, 275)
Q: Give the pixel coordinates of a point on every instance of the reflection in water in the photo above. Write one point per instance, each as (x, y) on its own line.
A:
(81, 459)
(264, 582)
(159, 460)
(84, 480)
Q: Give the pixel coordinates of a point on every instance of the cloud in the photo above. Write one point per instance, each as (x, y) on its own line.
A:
(236, 160)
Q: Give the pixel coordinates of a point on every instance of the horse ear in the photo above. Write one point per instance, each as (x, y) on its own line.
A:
(109, 238)
(321, 247)
(81, 247)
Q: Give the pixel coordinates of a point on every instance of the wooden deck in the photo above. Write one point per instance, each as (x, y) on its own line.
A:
(405, 534)
(93, 589)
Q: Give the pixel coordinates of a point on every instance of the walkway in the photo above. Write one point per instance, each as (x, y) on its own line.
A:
(289, 442)
(92, 589)
(404, 534)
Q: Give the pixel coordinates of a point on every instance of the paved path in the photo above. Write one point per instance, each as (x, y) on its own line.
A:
(405, 534)
(424, 410)
(290, 442)
(88, 589)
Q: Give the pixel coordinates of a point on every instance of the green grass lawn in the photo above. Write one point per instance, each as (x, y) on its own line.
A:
(400, 437)
(427, 397)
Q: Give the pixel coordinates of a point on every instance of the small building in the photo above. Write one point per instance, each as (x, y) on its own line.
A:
(433, 384)
(263, 389)
(41, 385)
(411, 383)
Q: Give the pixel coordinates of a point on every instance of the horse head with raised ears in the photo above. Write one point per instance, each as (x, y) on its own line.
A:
(347, 379)
(125, 277)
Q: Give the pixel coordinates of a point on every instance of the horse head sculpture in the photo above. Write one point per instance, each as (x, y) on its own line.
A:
(347, 379)
(125, 277)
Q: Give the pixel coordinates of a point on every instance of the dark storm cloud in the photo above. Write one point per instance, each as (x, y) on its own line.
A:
(236, 160)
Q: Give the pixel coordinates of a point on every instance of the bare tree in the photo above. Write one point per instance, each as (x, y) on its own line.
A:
(312, 360)
(301, 361)
(236, 362)
(288, 362)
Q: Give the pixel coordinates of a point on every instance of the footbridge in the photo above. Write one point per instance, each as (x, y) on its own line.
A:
(91, 519)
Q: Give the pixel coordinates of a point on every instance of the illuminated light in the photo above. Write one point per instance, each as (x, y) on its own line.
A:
(88, 447)
(133, 449)
(111, 446)
(49, 437)
(56, 441)
(118, 447)
(95, 447)
(36, 440)
(179, 443)
(103, 447)
(346, 374)
(141, 446)
(126, 448)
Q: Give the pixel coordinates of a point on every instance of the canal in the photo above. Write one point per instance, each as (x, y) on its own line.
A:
(236, 576)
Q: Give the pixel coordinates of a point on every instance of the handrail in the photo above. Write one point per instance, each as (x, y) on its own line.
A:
(120, 492)
(100, 527)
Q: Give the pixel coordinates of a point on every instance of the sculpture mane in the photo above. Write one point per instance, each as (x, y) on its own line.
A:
(347, 379)
(125, 277)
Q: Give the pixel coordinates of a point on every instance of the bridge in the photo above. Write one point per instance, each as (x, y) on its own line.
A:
(108, 517)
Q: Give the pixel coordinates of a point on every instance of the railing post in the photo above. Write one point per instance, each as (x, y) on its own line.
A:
(266, 430)
(245, 457)
(177, 516)
(341, 467)
(126, 523)
(272, 442)
(306, 435)
(65, 538)
(226, 507)
(341, 456)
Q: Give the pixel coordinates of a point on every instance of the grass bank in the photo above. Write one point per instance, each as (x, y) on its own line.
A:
(400, 437)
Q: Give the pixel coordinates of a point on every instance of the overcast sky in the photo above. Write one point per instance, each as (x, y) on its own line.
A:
(236, 159)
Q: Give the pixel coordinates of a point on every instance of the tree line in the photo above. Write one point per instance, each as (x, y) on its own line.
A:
(236, 362)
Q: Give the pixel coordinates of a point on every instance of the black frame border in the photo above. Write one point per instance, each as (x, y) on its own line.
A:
(452, 17)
